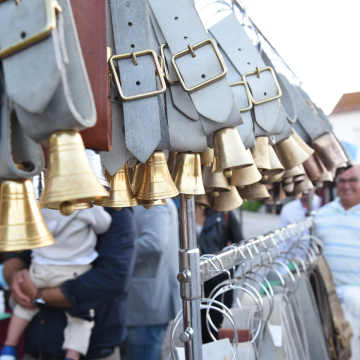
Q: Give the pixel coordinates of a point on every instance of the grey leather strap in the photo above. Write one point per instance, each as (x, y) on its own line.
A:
(284, 128)
(132, 32)
(181, 26)
(47, 81)
(25, 149)
(238, 47)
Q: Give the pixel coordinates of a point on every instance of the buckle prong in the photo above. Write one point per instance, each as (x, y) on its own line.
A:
(191, 51)
(133, 56)
(257, 72)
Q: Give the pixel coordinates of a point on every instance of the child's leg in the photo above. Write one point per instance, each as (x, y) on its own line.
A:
(72, 354)
(17, 327)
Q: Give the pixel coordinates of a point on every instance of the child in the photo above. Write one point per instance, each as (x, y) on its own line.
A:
(69, 257)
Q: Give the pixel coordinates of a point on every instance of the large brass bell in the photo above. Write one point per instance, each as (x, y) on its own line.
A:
(187, 174)
(290, 153)
(207, 158)
(260, 153)
(203, 201)
(121, 194)
(245, 176)
(314, 167)
(155, 182)
(69, 176)
(229, 152)
(171, 160)
(227, 201)
(214, 182)
(22, 226)
(302, 143)
(329, 151)
(253, 192)
(276, 170)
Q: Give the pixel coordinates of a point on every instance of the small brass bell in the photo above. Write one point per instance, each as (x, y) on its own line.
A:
(148, 204)
(203, 201)
(207, 158)
(22, 226)
(296, 171)
(303, 186)
(214, 182)
(227, 201)
(302, 143)
(260, 153)
(229, 152)
(314, 167)
(246, 176)
(121, 194)
(69, 176)
(275, 172)
(156, 182)
(39, 185)
(329, 151)
(290, 153)
(171, 160)
(187, 174)
(255, 191)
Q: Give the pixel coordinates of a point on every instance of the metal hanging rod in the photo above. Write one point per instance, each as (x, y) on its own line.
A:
(251, 249)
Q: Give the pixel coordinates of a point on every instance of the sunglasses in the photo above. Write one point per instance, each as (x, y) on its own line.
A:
(351, 181)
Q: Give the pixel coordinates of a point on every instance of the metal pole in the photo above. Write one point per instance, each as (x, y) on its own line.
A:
(189, 277)
(310, 207)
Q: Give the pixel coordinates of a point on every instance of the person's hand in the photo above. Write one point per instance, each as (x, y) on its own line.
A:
(23, 290)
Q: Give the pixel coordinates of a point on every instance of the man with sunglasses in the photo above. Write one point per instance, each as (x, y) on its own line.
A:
(338, 227)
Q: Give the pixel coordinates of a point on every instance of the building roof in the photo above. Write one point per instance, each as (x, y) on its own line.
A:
(348, 102)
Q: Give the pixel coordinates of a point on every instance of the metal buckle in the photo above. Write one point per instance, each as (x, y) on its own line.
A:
(257, 73)
(248, 94)
(190, 50)
(158, 72)
(51, 9)
(167, 75)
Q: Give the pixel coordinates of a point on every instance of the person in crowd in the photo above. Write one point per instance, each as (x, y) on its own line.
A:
(154, 296)
(98, 295)
(215, 230)
(338, 227)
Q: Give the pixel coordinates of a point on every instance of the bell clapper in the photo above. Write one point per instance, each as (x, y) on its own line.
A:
(66, 208)
(202, 207)
(147, 207)
(175, 197)
(188, 196)
(265, 177)
(241, 187)
(208, 164)
(215, 193)
(117, 208)
(227, 173)
(261, 170)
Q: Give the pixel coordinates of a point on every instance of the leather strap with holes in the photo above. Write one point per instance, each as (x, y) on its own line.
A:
(132, 33)
(181, 26)
(241, 52)
(55, 94)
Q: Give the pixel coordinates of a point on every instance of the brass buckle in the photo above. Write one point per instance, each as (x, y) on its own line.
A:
(166, 71)
(339, 332)
(191, 50)
(158, 72)
(248, 94)
(51, 9)
(257, 73)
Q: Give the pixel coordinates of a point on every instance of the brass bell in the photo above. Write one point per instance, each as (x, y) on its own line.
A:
(171, 160)
(148, 204)
(276, 170)
(121, 194)
(260, 153)
(137, 177)
(229, 152)
(329, 151)
(203, 201)
(214, 182)
(187, 174)
(155, 182)
(302, 143)
(227, 201)
(290, 153)
(296, 171)
(314, 167)
(288, 186)
(327, 177)
(207, 158)
(303, 186)
(38, 182)
(245, 176)
(22, 226)
(255, 191)
(69, 176)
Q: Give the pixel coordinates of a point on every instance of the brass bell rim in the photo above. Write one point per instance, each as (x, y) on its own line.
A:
(273, 179)
(192, 192)
(158, 202)
(231, 167)
(114, 204)
(27, 243)
(84, 205)
(273, 172)
(209, 189)
(161, 196)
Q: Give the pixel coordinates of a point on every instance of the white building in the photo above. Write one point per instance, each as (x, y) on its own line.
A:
(345, 119)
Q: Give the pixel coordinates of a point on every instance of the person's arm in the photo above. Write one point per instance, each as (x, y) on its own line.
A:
(154, 234)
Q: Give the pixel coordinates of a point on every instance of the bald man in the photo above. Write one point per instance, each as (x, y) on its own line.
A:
(338, 226)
